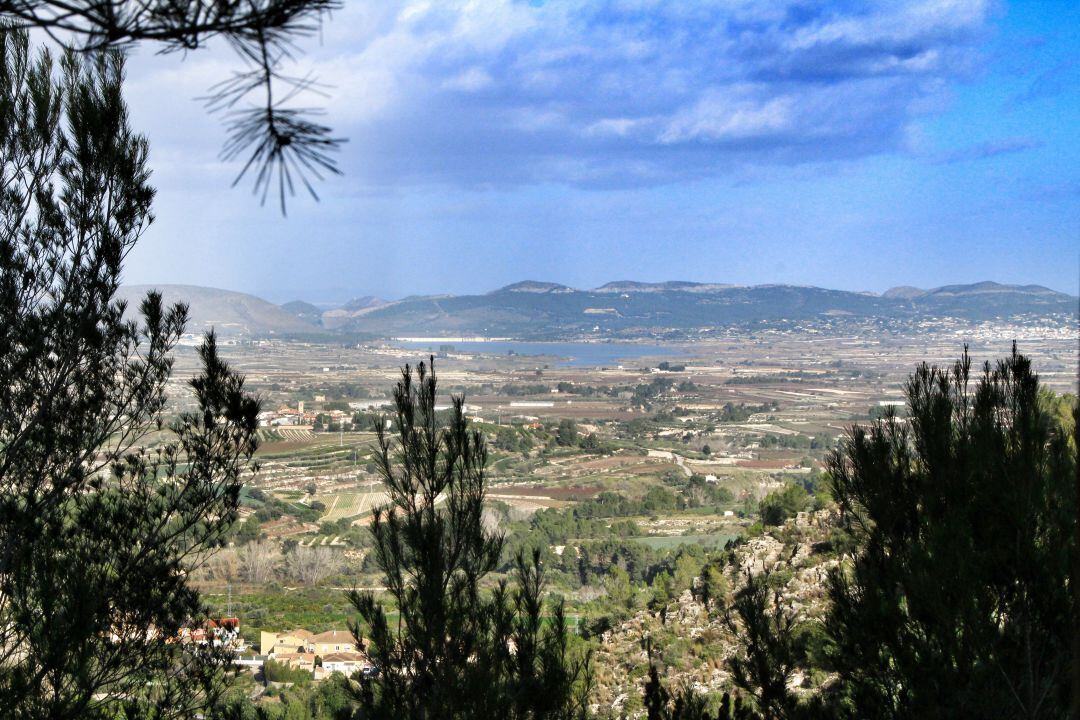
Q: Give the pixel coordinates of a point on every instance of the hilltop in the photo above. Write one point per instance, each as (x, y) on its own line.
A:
(229, 313)
(628, 309)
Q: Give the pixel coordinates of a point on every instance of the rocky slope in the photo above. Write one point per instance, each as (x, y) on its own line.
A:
(691, 643)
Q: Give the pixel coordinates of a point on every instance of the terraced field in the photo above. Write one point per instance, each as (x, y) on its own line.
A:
(347, 505)
(329, 461)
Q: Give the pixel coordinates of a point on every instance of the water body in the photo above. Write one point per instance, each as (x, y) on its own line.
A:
(566, 354)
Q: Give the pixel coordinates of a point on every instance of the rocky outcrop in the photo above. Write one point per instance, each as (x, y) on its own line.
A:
(691, 643)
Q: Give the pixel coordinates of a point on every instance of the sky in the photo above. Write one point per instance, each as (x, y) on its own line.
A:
(844, 144)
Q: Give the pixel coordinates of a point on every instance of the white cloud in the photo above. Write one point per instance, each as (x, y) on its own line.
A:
(470, 80)
(623, 91)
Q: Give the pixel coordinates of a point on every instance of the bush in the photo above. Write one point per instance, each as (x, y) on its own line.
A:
(780, 505)
(274, 671)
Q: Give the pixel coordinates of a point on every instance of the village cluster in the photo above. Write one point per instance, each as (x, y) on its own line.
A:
(320, 654)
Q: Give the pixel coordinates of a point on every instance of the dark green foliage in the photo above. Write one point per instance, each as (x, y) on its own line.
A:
(512, 439)
(820, 441)
(780, 505)
(965, 518)
(713, 588)
(956, 598)
(97, 533)
(656, 695)
(701, 493)
(518, 389)
(685, 704)
(768, 654)
(645, 393)
(742, 412)
(247, 531)
(327, 700)
(590, 442)
(277, 672)
(454, 652)
(567, 434)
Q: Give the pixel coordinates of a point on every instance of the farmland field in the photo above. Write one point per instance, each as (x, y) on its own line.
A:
(658, 542)
(346, 505)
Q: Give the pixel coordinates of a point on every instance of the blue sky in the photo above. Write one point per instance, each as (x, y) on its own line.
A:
(855, 145)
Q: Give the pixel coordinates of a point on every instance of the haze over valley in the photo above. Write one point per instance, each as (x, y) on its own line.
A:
(622, 310)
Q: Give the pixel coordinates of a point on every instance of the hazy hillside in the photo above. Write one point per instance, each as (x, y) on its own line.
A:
(365, 302)
(538, 309)
(342, 317)
(230, 313)
(304, 311)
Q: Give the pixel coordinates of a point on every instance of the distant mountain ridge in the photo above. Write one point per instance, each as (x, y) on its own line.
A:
(532, 286)
(229, 313)
(629, 286)
(534, 309)
(627, 308)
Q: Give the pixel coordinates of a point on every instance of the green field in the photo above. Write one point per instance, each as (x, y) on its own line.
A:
(344, 505)
(276, 609)
(661, 542)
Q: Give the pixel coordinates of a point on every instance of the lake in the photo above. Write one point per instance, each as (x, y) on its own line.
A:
(569, 354)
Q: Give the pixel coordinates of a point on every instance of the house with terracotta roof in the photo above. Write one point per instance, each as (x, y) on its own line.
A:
(297, 660)
(334, 641)
(293, 641)
(346, 663)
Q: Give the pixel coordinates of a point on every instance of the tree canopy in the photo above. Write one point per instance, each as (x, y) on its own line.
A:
(106, 504)
(958, 598)
(456, 652)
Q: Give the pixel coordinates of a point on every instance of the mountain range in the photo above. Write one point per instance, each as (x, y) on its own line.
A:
(532, 309)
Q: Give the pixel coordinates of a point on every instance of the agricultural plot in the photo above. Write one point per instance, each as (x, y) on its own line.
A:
(347, 505)
(330, 463)
(658, 542)
(742, 408)
(286, 435)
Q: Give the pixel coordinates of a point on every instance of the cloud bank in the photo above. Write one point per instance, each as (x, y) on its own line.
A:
(634, 92)
(618, 93)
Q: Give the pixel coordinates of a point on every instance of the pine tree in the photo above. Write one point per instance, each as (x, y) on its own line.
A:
(275, 139)
(957, 603)
(99, 527)
(767, 657)
(454, 651)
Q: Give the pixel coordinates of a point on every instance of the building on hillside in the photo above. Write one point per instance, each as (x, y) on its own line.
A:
(334, 641)
(297, 661)
(224, 632)
(345, 663)
(300, 640)
(293, 641)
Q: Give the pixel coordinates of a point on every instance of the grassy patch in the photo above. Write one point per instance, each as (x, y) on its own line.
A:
(658, 542)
